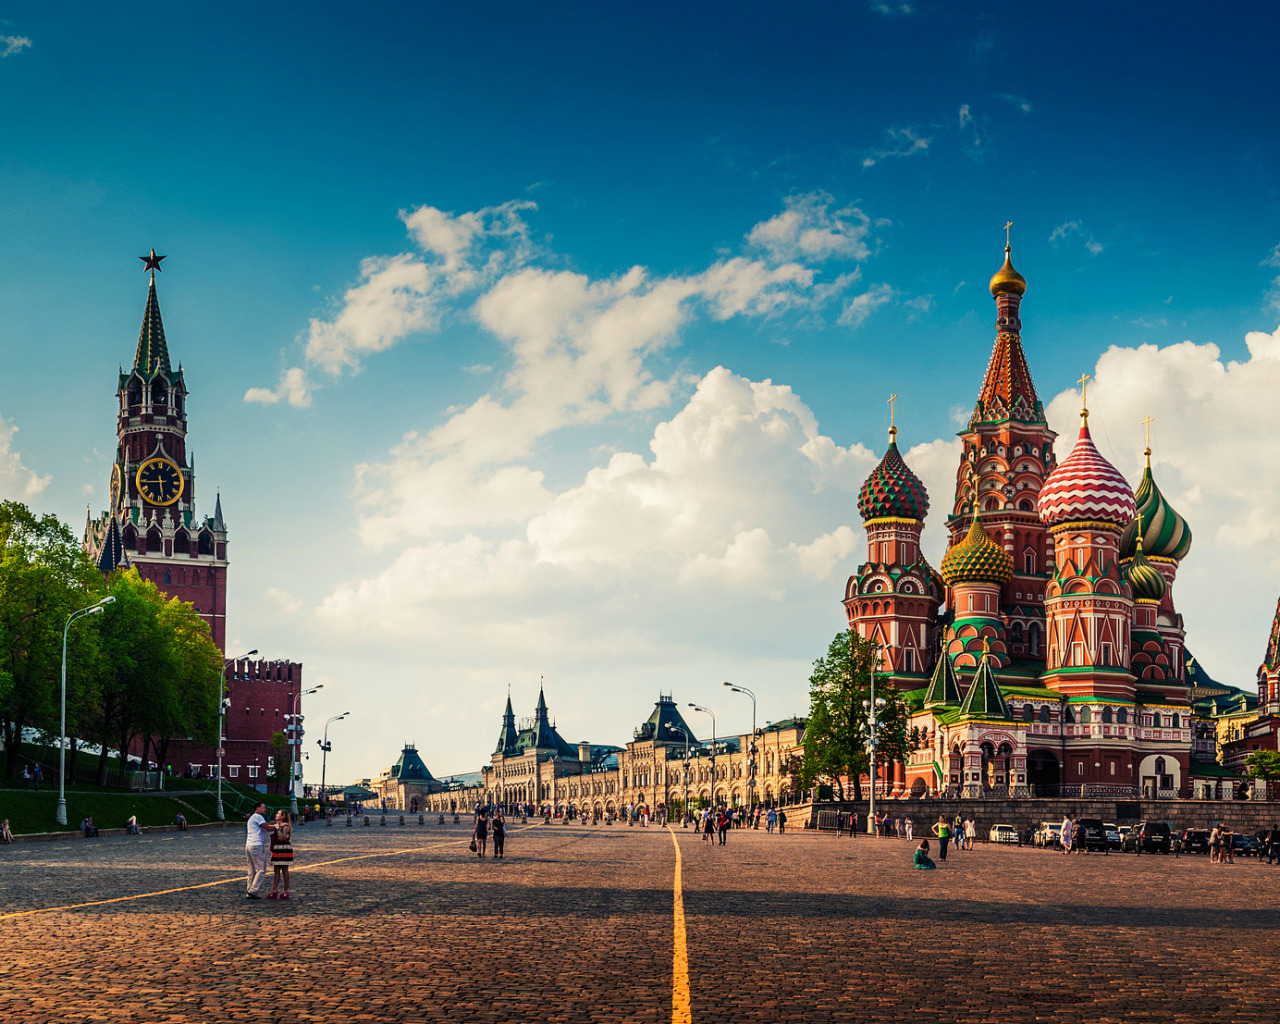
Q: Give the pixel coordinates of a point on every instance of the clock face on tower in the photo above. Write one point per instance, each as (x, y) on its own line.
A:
(160, 481)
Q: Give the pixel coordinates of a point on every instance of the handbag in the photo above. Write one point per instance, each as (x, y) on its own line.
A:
(473, 846)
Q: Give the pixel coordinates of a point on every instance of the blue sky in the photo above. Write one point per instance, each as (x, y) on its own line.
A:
(635, 285)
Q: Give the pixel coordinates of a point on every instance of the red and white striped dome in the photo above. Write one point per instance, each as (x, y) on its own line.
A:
(1086, 488)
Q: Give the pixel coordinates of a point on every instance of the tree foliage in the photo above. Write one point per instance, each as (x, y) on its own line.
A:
(1264, 764)
(835, 739)
(146, 668)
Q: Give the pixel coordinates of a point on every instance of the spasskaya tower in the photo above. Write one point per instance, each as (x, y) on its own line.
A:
(151, 522)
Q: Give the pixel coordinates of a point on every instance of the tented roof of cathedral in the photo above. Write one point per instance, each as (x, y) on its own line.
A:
(892, 490)
(984, 699)
(944, 687)
(1273, 645)
(1086, 488)
(1165, 534)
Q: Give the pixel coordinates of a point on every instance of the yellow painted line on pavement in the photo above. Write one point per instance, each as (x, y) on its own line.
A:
(681, 1012)
(237, 878)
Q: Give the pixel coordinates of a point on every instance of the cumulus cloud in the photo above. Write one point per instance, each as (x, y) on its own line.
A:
(1073, 230)
(689, 520)
(9, 45)
(16, 480)
(860, 307)
(294, 388)
(286, 601)
(809, 229)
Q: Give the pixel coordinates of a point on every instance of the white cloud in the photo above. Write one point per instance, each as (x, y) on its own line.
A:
(9, 45)
(858, 308)
(741, 496)
(892, 8)
(966, 118)
(16, 480)
(1273, 294)
(287, 602)
(899, 142)
(294, 387)
(809, 229)
(1018, 101)
(1073, 229)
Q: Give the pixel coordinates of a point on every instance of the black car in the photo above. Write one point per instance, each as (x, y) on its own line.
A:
(1148, 837)
(1091, 834)
(1195, 840)
(1246, 845)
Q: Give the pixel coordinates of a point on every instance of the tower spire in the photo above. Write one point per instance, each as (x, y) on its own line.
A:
(153, 351)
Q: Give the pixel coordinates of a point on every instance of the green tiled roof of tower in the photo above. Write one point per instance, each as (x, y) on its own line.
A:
(944, 687)
(152, 356)
(984, 699)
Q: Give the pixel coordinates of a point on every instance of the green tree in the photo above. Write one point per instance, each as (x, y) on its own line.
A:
(198, 683)
(835, 737)
(281, 763)
(44, 577)
(1264, 764)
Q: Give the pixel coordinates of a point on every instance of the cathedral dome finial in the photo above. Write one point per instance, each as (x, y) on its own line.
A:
(1007, 279)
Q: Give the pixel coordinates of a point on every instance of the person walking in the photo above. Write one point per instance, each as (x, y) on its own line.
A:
(1273, 844)
(770, 820)
(708, 827)
(943, 831)
(970, 833)
(1228, 845)
(281, 856)
(257, 836)
(499, 835)
(480, 833)
(782, 822)
(1068, 833)
(910, 826)
(1215, 843)
(26, 776)
(957, 831)
(35, 777)
(722, 825)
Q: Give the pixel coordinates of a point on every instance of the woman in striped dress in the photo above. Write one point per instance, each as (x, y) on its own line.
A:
(281, 855)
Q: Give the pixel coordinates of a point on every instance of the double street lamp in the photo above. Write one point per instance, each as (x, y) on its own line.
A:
(751, 760)
(93, 609)
(223, 701)
(295, 747)
(326, 746)
(708, 711)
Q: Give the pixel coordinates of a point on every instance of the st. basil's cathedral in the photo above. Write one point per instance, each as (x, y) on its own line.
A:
(1045, 654)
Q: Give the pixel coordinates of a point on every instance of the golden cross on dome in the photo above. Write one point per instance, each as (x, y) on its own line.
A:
(893, 430)
(1084, 394)
(1147, 425)
(1007, 226)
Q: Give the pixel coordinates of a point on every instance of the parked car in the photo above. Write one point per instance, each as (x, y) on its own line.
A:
(1092, 834)
(1003, 834)
(1049, 834)
(1246, 845)
(1113, 836)
(1149, 837)
(1195, 840)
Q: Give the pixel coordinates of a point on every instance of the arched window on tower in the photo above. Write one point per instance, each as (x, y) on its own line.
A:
(206, 543)
(154, 541)
(1033, 638)
(1029, 557)
(135, 393)
(159, 393)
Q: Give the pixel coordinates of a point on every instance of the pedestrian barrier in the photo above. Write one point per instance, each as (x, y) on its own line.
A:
(382, 821)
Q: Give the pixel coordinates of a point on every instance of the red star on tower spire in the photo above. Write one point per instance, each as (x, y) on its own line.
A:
(152, 262)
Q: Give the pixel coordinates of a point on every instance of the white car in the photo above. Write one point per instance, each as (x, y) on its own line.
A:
(1002, 834)
(1048, 834)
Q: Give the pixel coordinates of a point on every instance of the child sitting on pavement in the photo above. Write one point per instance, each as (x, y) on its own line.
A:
(921, 858)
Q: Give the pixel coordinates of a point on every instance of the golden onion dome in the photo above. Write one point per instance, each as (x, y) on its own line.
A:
(1007, 279)
(977, 559)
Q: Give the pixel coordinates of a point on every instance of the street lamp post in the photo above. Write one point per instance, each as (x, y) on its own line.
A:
(873, 740)
(222, 714)
(326, 746)
(685, 814)
(708, 711)
(93, 609)
(295, 747)
(751, 760)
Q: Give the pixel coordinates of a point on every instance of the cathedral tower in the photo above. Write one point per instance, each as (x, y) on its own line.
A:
(893, 598)
(151, 522)
(1007, 455)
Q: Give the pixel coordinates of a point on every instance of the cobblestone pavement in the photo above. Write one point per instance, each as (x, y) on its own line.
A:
(576, 925)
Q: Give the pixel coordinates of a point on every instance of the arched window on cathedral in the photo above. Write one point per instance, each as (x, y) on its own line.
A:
(1106, 715)
(1033, 638)
(1177, 722)
(1027, 712)
(1044, 712)
(1016, 633)
(1070, 714)
(1122, 716)
(1086, 716)
(1025, 506)
(1160, 766)
(1156, 720)
(1029, 557)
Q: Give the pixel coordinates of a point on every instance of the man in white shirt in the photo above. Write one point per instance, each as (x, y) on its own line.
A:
(257, 840)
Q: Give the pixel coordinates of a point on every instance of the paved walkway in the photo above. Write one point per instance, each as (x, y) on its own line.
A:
(579, 924)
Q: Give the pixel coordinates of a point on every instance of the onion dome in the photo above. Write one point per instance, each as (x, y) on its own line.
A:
(1007, 279)
(1147, 581)
(892, 491)
(1165, 533)
(977, 559)
(1086, 488)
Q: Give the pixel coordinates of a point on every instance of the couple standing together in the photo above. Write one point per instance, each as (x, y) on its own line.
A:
(273, 840)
